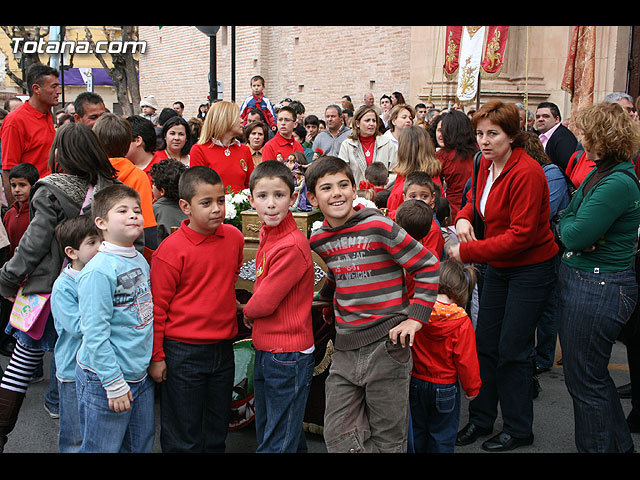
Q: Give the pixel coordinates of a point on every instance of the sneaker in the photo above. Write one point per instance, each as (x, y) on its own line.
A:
(51, 413)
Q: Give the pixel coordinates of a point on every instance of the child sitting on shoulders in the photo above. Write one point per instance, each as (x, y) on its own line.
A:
(115, 394)
(193, 276)
(279, 314)
(444, 356)
(165, 176)
(79, 239)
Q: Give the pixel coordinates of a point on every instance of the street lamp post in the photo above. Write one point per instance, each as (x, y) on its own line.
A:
(213, 84)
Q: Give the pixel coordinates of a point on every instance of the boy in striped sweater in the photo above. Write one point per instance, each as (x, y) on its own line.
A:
(366, 253)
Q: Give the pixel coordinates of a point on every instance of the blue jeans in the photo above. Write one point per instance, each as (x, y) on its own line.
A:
(593, 308)
(281, 383)
(196, 397)
(105, 431)
(435, 416)
(511, 303)
(70, 436)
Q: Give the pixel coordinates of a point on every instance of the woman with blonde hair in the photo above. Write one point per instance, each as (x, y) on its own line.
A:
(597, 282)
(415, 153)
(366, 145)
(219, 146)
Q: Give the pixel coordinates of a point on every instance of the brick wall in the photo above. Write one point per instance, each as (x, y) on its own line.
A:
(314, 64)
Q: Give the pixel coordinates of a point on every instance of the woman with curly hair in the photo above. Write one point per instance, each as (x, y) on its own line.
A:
(597, 283)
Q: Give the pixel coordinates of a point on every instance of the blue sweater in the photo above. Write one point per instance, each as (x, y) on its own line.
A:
(116, 310)
(66, 318)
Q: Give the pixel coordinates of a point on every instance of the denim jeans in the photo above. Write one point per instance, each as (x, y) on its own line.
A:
(593, 308)
(435, 416)
(69, 436)
(105, 431)
(367, 399)
(196, 397)
(511, 303)
(281, 383)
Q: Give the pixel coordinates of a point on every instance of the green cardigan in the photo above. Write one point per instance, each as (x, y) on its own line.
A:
(608, 216)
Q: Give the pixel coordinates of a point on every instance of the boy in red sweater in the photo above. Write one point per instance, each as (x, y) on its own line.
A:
(279, 313)
(193, 276)
(16, 220)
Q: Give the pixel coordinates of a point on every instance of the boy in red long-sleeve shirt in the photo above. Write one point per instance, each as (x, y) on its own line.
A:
(279, 313)
(193, 276)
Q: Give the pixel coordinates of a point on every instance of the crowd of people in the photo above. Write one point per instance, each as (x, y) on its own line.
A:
(459, 247)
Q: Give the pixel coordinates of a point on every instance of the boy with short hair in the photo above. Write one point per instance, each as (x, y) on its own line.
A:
(419, 185)
(366, 254)
(165, 176)
(193, 276)
(116, 396)
(283, 144)
(79, 239)
(258, 101)
(279, 314)
(22, 177)
(376, 176)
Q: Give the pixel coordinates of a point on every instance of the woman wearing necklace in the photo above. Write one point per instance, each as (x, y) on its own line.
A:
(176, 141)
(366, 145)
(219, 146)
(512, 236)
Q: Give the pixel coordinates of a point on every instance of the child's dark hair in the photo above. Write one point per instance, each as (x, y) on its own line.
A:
(166, 175)
(415, 217)
(194, 176)
(73, 231)
(377, 174)
(271, 169)
(311, 120)
(257, 78)
(326, 165)
(143, 128)
(457, 281)
(443, 210)
(105, 199)
(288, 108)
(420, 178)
(25, 170)
(381, 198)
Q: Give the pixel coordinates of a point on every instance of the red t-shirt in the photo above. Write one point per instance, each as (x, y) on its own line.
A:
(234, 169)
(280, 145)
(26, 136)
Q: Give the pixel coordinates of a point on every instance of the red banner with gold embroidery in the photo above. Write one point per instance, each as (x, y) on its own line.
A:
(494, 51)
(452, 51)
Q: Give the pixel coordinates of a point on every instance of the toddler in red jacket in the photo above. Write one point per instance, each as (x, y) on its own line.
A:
(279, 313)
(444, 356)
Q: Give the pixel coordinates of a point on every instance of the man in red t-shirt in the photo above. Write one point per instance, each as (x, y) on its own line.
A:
(282, 144)
(28, 132)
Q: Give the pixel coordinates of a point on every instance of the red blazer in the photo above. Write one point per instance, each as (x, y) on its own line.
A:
(516, 217)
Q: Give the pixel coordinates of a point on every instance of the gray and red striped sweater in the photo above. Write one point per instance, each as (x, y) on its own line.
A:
(366, 258)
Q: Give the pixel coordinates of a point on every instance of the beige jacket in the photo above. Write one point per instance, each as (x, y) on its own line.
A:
(351, 152)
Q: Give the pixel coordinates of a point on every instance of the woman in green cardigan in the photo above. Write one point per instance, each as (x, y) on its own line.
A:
(597, 282)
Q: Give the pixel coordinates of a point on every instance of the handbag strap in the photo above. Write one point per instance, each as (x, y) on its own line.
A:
(87, 199)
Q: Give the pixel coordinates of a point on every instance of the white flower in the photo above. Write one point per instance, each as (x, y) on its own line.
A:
(230, 211)
(316, 225)
(239, 198)
(364, 202)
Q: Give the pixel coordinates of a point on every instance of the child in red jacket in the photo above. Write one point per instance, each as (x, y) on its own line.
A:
(444, 353)
(279, 313)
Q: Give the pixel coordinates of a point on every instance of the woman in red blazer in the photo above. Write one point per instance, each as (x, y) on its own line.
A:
(508, 230)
